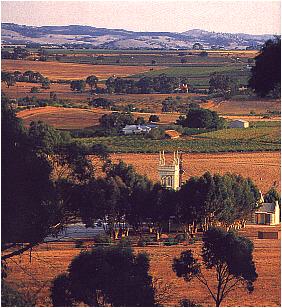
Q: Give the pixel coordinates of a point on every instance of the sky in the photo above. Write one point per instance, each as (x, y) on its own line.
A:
(252, 17)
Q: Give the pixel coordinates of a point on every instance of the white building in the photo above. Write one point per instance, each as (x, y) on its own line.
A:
(171, 175)
(267, 214)
(239, 124)
(135, 129)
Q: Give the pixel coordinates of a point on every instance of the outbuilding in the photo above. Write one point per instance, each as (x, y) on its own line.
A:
(239, 124)
(172, 134)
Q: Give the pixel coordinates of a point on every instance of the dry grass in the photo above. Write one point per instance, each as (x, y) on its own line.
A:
(233, 107)
(263, 167)
(70, 71)
(50, 260)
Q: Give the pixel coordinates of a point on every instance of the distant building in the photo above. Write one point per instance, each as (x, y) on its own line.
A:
(198, 46)
(239, 124)
(137, 129)
(267, 214)
(172, 134)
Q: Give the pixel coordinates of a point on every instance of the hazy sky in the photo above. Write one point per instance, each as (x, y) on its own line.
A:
(254, 17)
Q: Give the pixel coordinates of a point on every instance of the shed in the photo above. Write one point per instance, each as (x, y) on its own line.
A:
(239, 124)
(270, 235)
(172, 134)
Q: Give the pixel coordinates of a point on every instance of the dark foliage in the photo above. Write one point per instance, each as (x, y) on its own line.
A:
(106, 276)
(266, 74)
(201, 118)
(229, 255)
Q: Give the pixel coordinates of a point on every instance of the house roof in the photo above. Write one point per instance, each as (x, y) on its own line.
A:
(266, 207)
(172, 133)
(240, 120)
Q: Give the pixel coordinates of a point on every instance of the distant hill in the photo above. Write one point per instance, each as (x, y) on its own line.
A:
(123, 39)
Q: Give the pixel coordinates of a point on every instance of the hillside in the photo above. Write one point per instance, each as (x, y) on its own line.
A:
(123, 39)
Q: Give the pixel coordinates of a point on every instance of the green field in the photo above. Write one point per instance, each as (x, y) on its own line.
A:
(227, 140)
(199, 75)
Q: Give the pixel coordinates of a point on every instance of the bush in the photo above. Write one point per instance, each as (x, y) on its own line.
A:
(102, 240)
(34, 90)
(78, 243)
(154, 118)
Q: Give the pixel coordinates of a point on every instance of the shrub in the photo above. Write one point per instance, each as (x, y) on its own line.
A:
(34, 90)
(78, 243)
(154, 118)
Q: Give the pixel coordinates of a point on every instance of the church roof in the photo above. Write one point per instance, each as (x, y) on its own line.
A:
(266, 208)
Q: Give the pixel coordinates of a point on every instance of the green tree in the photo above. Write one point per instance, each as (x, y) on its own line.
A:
(201, 118)
(272, 195)
(223, 85)
(78, 85)
(116, 121)
(8, 79)
(30, 214)
(101, 102)
(209, 198)
(139, 121)
(46, 83)
(266, 74)
(229, 255)
(154, 118)
(34, 90)
(105, 276)
(92, 81)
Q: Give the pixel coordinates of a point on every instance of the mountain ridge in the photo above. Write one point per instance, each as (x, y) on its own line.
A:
(119, 38)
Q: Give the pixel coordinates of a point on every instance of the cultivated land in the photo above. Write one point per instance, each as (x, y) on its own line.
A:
(71, 71)
(263, 167)
(75, 118)
(49, 260)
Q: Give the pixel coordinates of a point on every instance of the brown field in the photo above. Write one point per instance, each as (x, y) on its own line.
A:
(233, 107)
(70, 71)
(263, 167)
(74, 118)
(49, 260)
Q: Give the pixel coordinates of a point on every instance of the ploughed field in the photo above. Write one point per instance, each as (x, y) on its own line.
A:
(262, 167)
(71, 71)
(76, 118)
(49, 260)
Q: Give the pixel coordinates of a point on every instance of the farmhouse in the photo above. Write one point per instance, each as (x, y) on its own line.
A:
(137, 129)
(267, 214)
(239, 124)
(172, 134)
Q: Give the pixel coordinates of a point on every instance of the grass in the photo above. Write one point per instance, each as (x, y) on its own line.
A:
(50, 260)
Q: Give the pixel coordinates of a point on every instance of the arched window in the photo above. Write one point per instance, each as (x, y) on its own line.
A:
(169, 181)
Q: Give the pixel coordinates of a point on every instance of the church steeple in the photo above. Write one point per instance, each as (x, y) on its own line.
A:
(169, 174)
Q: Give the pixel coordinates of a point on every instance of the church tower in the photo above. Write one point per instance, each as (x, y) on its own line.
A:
(170, 174)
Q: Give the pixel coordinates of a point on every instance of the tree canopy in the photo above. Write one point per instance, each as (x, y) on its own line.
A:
(105, 276)
(266, 74)
(201, 118)
(229, 255)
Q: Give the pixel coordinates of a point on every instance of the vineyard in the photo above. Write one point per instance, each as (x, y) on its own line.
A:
(227, 140)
